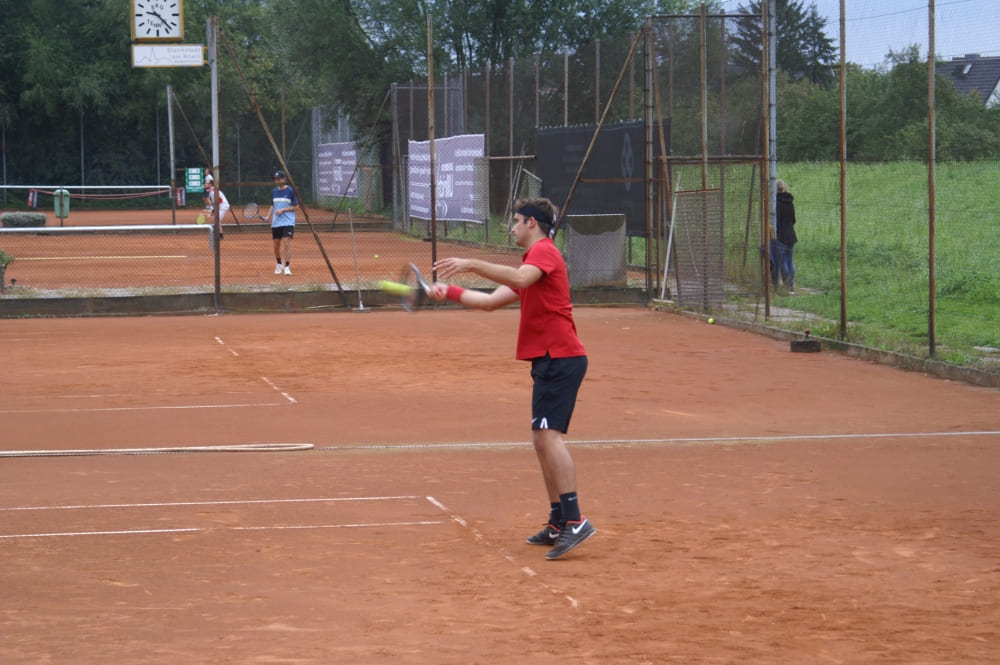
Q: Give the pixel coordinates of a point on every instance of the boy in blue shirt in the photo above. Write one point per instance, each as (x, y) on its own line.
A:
(284, 203)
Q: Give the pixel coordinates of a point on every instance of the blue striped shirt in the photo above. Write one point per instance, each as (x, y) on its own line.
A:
(282, 197)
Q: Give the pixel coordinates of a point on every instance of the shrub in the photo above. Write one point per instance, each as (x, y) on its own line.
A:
(5, 259)
(23, 219)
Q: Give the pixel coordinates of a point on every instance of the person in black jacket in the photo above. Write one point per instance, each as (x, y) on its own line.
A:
(784, 266)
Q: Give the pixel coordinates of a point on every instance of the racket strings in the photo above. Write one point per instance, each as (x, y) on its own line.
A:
(416, 294)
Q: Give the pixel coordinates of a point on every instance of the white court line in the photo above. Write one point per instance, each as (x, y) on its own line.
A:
(266, 380)
(140, 532)
(527, 570)
(244, 502)
(219, 340)
(288, 400)
(220, 448)
(143, 408)
(274, 527)
(283, 394)
(668, 441)
(98, 258)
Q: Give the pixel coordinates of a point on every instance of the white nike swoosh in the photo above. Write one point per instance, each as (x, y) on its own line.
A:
(577, 529)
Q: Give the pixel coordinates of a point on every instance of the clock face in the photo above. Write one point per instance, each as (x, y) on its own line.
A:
(157, 20)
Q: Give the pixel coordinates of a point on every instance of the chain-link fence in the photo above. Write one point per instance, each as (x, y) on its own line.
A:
(675, 80)
(687, 169)
(891, 272)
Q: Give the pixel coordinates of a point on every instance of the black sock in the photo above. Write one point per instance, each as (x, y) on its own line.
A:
(555, 514)
(570, 507)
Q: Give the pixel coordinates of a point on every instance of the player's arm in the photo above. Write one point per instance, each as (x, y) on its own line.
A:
(497, 298)
(516, 278)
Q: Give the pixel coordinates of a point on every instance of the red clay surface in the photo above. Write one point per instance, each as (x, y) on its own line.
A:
(753, 505)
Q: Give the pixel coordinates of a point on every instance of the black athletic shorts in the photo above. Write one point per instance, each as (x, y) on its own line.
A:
(553, 396)
(282, 232)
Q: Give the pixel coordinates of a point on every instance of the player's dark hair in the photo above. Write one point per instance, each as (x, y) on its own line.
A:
(541, 208)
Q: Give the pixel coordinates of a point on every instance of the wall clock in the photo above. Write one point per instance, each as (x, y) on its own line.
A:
(157, 20)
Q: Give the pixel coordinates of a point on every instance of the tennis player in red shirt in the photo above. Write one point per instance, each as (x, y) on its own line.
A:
(547, 338)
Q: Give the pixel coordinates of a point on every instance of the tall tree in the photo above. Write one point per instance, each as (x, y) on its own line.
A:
(886, 116)
(352, 51)
(803, 50)
(474, 33)
(71, 94)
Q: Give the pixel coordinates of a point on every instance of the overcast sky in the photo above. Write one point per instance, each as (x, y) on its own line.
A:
(875, 28)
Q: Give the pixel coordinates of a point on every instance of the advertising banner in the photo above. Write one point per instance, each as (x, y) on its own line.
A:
(455, 162)
(336, 164)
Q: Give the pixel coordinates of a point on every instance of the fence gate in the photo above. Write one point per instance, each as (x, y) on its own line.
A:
(698, 249)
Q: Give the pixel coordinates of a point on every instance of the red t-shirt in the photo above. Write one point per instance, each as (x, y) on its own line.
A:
(546, 312)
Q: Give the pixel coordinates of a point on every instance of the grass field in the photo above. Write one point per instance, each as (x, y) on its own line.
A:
(888, 250)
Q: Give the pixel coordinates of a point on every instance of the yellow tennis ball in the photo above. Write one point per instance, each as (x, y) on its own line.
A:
(376, 256)
(711, 320)
(395, 288)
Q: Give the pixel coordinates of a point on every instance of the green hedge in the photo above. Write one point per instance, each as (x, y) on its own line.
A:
(23, 219)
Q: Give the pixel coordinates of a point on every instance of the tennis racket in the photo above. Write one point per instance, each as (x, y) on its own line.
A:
(201, 219)
(253, 210)
(411, 288)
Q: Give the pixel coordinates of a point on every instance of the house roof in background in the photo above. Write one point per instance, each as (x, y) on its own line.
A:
(974, 73)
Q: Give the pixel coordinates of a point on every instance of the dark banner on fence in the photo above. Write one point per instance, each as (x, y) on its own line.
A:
(612, 180)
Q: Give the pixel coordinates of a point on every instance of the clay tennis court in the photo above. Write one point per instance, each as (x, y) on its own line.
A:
(753, 505)
(144, 264)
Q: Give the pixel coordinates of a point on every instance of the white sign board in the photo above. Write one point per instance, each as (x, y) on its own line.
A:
(455, 166)
(163, 55)
(195, 179)
(335, 165)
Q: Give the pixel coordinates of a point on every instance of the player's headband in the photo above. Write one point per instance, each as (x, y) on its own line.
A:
(540, 217)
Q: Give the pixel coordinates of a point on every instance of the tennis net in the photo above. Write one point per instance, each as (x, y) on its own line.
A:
(108, 260)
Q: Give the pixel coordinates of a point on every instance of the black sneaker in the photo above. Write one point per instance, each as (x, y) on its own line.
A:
(547, 536)
(571, 535)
